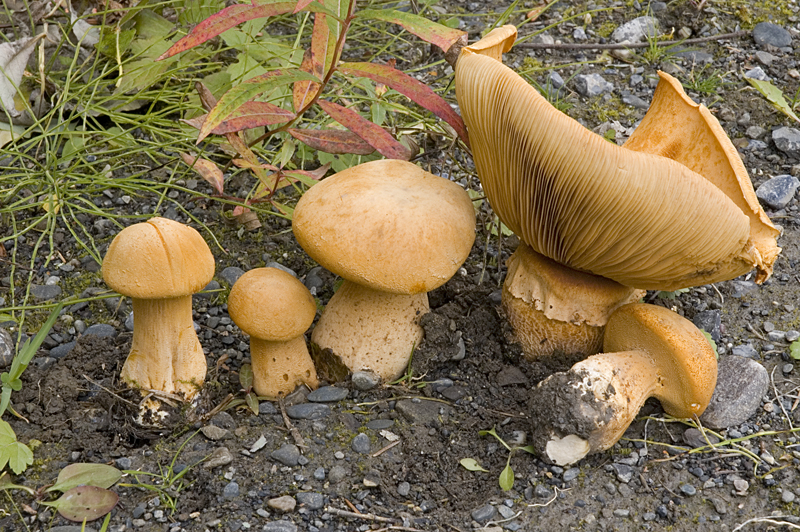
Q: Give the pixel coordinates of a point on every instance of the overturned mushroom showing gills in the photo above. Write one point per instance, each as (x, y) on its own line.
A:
(160, 264)
(555, 310)
(393, 232)
(631, 215)
(275, 309)
(649, 351)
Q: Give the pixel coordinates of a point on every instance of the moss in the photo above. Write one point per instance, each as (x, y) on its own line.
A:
(606, 28)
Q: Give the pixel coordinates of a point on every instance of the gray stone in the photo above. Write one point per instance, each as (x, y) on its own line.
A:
(220, 457)
(634, 101)
(230, 490)
(283, 504)
(313, 280)
(337, 474)
(579, 34)
(308, 411)
(555, 80)
(755, 132)
(208, 290)
(7, 350)
(311, 500)
(757, 73)
(60, 351)
(380, 424)
(624, 472)
(696, 57)
(719, 505)
(365, 380)
(787, 496)
(505, 512)
(776, 336)
(741, 485)
(792, 335)
(279, 266)
(231, 274)
(102, 330)
(45, 292)
(361, 444)
(741, 382)
(592, 85)
(694, 438)
(778, 191)
(319, 473)
(741, 288)
(571, 474)
(622, 512)
(542, 492)
(688, 490)
(327, 394)
(403, 489)
(771, 34)
(756, 146)
(288, 454)
(422, 412)
(215, 433)
(636, 30)
(484, 513)
(280, 526)
(765, 58)
(710, 321)
(745, 350)
(129, 321)
(787, 139)
(267, 408)
(123, 463)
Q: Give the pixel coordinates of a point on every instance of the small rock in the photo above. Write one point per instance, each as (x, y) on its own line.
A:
(787, 139)
(787, 496)
(719, 505)
(741, 485)
(280, 526)
(440, 385)
(694, 438)
(361, 444)
(422, 412)
(102, 330)
(757, 73)
(311, 500)
(755, 132)
(288, 454)
(511, 375)
(621, 512)
(771, 34)
(266, 408)
(208, 291)
(231, 274)
(710, 321)
(308, 411)
(230, 490)
(505, 512)
(279, 266)
(60, 351)
(624, 472)
(6, 349)
(634, 101)
(327, 394)
(696, 57)
(792, 335)
(741, 382)
(283, 504)
(592, 85)
(220, 457)
(403, 489)
(365, 380)
(484, 513)
(215, 433)
(45, 292)
(557, 82)
(380, 424)
(765, 58)
(741, 288)
(688, 490)
(787, 368)
(337, 474)
(778, 191)
(571, 474)
(636, 30)
(123, 463)
(746, 351)
(542, 492)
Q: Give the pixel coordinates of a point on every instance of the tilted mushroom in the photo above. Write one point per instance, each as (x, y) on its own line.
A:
(393, 232)
(631, 215)
(275, 309)
(648, 351)
(160, 264)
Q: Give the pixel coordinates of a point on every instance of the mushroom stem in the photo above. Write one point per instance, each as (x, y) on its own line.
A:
(165, 353)
(371, 329)
(279, 367)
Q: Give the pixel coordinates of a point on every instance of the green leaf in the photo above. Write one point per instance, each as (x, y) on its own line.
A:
(507, 478)
(774, 95)
(492, 432)
(710, 341)
(470, 464)
(794, 350)
(246, 376)
(252, 402)
(6, 484)
(85, 503)
(74, 475)
(16, 454)
(528, 449)
(427, 30)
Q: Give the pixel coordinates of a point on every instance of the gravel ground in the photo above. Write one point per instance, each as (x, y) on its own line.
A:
(360, 456)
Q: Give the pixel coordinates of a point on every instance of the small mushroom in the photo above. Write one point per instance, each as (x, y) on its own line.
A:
(275, 309)
(160, 264)
(649, 351)
(393, 232)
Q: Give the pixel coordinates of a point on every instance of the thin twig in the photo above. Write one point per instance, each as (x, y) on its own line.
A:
(109, 391)
(622, 46)
(771, 520)
(778, 398)
(354, 515)
(298, 438)
(548, 503)
(393, 444)
(754, 332)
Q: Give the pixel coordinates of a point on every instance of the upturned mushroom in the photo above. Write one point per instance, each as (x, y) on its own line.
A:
(648, 351)
(653, 214)
(159, 264)
(275, 309)
(393, 232)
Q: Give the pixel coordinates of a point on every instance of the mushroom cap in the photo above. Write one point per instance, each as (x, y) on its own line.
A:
(638, 218)
(683, 357)
(270, 304)
(157, 259)
(387, 225)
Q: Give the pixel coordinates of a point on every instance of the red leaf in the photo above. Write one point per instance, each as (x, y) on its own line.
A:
(251, 115)
(226, 19)
(207, 170)
(425, 29)
(417, 91)
(301, 5)
(304, 91)
(374, 135)
(336, 141)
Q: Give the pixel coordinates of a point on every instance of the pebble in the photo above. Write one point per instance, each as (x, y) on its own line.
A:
(361, 444)
(511, 375)
(280, 526)
(710, 321)
(6, 349)
(765, 58)
(787, 139)
(327, 394)
(696, 57)
(624, 472)
(214, 433)
(283, 504)
(288, 454)
(365, 380)
(571, 474)
(279, 266)
(787, 496)
(746, 351)
(484, 513)
(60, 351)
(230, 490)
(741, 288)
(506, 512)
(620, 512)
(741, 485)
(741, 382)
(231, 274)
(208, 290)
(636, 30)
(337, 474)
(557, 82)
(403, 489)
(319, 473)
(688, 490)
(755, 132)
(308, 411)
(311, 500)
(380, 424)
(694, 438)
(771, 34)
(543, 492)
(421, 412)
(102, 330)
(129, 321)
(267, 408)
(719, 505)
(220, 457)
(123, 463)
(757, 73)
(792, 335)
(45, 292)
(778, 191)
(590, 85)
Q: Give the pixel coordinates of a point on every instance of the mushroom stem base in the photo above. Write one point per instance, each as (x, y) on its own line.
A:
(371, 330)
(279, 367)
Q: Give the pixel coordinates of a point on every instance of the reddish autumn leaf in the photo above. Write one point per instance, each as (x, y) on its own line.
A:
(226, 19)
(337, 141)
(417, 91)
(207, 170)
(304, 91)
(425, 29)
(207, 98)
(251, 115)
(374, 135)
(301, 5)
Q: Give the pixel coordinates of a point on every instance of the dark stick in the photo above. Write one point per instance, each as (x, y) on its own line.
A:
(618, 46)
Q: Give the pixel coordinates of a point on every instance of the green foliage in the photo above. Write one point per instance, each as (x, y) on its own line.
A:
(794, 350)
(775, 96)
(704, 82)
(506, 478)
(661, 294)
(711, 341)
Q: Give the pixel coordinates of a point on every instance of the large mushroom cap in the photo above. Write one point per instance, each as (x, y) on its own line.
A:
(387, 225)
(270, 304)
(640, 219)
(158, 259)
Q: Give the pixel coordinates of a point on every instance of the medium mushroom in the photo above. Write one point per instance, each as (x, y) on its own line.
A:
(275, 309)
(633, 214)
(393, 232)
(649, 351)
(159, 264)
